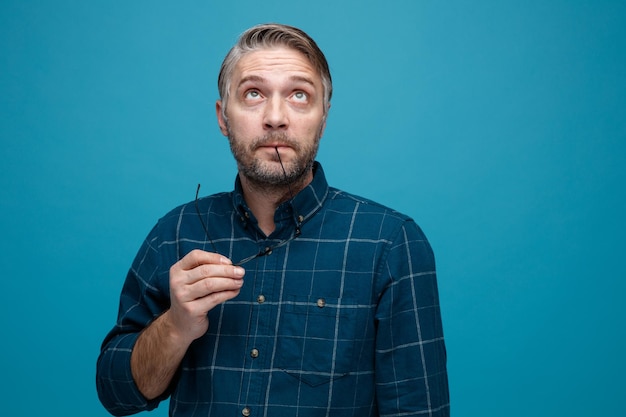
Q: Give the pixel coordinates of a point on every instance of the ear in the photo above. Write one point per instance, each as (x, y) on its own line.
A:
(220, 117)
(323, 129)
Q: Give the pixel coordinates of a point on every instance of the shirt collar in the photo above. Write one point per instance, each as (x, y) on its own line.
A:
(300, 209)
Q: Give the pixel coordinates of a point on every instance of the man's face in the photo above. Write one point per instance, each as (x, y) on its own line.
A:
(275, 103)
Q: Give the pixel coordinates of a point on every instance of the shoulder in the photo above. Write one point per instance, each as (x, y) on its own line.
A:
(340, 198)
(374, 216)
(370, 221)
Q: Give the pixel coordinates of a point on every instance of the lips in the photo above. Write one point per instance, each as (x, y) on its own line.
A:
(275, 145)
(275, 140)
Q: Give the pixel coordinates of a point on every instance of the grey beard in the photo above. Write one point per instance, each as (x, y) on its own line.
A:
(263, 176)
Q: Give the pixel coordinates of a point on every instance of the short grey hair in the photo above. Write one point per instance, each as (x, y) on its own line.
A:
(272, 35)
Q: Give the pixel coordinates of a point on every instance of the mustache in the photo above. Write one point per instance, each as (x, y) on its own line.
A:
(274, 138)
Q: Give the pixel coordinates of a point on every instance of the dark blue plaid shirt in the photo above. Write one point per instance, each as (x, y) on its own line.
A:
(340, 320)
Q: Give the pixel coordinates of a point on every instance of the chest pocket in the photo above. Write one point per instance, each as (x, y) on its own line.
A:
(316, 338)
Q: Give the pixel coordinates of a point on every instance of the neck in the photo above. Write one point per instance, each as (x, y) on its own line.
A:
(264, 199)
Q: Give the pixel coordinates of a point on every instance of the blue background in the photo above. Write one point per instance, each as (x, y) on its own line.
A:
(500, 126)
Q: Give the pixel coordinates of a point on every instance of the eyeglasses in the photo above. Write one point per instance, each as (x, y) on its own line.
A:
(268, 250)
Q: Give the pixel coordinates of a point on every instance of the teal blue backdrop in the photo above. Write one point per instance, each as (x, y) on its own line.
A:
(500, 126)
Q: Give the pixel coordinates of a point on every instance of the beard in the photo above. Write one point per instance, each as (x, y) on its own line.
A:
(265, 173)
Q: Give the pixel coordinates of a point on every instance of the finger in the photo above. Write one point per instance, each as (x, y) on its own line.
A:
(180, 277)
(202, 306)
(214, 299)
(210, 286)
(199, 257)
(206, 294)
(215, 271)
(192, 287)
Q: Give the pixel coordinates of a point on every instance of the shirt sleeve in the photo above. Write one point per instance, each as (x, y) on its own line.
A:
(411, 375)
(143, 298)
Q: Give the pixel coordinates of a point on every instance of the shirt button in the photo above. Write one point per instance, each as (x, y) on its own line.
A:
(245, 412)
(321, 302)
(300, 218)
(260, 299)
(254, 353)
(268, 250)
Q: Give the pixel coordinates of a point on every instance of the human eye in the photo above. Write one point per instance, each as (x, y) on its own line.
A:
(252, 95)
(300, 97)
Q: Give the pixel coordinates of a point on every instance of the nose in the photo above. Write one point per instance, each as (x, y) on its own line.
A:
(275, 116)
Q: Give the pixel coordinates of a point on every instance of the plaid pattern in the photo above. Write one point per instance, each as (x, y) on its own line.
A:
(342, 320)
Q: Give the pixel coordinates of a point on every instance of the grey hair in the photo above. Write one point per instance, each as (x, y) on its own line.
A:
(268, 36)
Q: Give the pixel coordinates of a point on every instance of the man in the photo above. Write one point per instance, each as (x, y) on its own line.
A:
(285, 297)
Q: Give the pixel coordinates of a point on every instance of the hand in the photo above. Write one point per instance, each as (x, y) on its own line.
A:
(198, 282)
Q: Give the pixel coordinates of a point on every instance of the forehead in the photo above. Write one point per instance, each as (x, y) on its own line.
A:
(275, 63)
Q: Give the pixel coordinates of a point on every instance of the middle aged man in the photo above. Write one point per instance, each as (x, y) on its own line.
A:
(338, 313)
